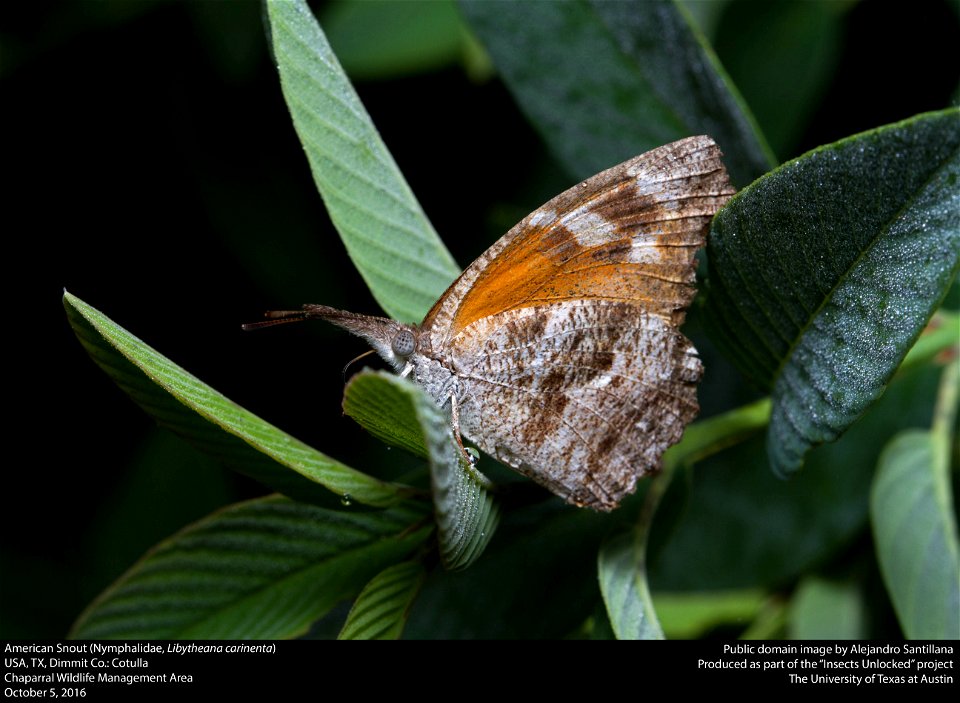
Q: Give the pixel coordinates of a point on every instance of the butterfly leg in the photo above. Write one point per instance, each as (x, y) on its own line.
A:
(455, 423)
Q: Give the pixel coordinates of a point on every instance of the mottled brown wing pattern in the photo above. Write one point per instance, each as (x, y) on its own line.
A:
(582, 396)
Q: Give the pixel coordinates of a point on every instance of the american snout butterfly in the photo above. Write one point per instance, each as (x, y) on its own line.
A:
(558, 351)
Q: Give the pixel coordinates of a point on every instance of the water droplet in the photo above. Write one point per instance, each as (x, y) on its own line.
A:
(346, 500)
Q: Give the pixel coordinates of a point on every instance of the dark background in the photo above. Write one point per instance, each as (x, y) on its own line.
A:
(152, 170)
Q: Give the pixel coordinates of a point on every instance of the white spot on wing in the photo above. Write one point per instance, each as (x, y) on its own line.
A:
(644, 251)
(589, 228)
(542, 217)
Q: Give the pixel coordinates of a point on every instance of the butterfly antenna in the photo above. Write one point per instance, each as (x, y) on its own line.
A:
(278, 317)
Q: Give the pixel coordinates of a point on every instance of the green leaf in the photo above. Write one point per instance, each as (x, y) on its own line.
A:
(689, 615)
(827, 610)
(214, 424)
(382, 608)
(466, 513)
(262, 569)
(378, 39)
(621, 567)
(824, 272)
(604, 81)
(386, 233)
(911, 507)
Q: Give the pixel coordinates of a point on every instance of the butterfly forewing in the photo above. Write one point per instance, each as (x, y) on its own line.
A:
(628, 234)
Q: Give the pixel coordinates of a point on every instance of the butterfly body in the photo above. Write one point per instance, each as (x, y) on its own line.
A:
(558, 350)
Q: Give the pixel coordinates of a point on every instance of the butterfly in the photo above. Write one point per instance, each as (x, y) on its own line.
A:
(558, 351)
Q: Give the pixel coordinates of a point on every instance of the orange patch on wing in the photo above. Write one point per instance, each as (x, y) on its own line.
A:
(550, 266)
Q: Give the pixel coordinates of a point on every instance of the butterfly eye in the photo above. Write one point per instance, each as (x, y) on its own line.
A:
(403, 343)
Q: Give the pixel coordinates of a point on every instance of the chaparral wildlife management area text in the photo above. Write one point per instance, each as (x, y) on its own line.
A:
(70, 670)
(842, 663)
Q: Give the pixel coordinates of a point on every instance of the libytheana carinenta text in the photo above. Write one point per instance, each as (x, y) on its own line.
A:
(558, 351)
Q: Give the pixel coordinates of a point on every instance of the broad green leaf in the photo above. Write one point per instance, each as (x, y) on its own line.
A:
(382, 608)
(386, 233)
(466, 512)
(214, 424)
(914, 525)
(621, 568)
(604, 81)
(827, 610)
(262, 569)
(689, 615)
(824, 272)
(375, 39)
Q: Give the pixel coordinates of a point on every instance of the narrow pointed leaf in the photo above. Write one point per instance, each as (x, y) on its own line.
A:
(621, 566)
(914, 525)
(382, 225)
(824, 272)
(604, 81)
(465, 511)
(266, 568)
(213, 423)
(382, 608)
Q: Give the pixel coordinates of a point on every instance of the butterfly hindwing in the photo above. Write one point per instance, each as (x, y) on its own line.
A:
(582, 396)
